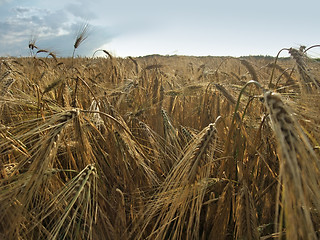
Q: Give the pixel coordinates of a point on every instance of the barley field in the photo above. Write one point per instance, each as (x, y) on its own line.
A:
(159, 147)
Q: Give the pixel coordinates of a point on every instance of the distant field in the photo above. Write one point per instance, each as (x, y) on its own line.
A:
(160, 147)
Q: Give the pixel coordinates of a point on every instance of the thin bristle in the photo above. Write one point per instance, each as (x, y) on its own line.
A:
(82, 35)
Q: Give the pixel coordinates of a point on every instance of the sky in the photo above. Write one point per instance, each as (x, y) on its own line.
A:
(167, 27)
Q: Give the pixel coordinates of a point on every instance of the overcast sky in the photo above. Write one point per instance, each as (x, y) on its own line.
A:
(142, 27)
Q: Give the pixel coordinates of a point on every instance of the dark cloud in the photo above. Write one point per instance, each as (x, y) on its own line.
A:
(21, 10)
(54, 30)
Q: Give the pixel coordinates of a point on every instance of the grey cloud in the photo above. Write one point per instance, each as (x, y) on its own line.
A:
(4, 1)
(54, 30)
(81, 10)
(21, 10)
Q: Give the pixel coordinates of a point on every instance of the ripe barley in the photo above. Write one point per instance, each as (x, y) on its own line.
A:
(299, 169)
(225, 93)
(308, 79)
(250, 69)
(5, 85)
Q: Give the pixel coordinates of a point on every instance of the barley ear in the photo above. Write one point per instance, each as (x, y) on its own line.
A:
(306, 76)
(299, 170)
(222, 216)
(246, 215)
(82, 35)
(250, 69)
